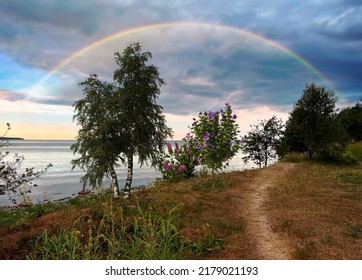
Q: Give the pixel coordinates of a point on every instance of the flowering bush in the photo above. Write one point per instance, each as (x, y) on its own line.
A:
(212, 142)
(213, 138)
(177, 163)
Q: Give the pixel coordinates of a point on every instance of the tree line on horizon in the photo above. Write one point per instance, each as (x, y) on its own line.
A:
(121, 119)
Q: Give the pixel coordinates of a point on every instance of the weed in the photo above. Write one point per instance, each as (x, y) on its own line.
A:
(352, 178)
(301, 253)
(212, 184)
(353, 229)
(327, 239)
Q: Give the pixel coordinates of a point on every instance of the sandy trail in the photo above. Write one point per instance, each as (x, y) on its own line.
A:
(269, 245)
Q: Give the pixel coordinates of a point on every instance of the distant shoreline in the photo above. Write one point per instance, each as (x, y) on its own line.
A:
(11, 138)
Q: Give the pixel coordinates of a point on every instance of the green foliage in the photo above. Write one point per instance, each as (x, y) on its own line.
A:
(177, 163)
(121, 119)
(261, 143)
(149, 234)
(99, 141)
(313, 125)
(212, 142)
(356, 150)
(214, 138)
(351, 120)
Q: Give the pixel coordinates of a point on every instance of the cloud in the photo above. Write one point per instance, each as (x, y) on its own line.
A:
(11, 95)
(204, 67)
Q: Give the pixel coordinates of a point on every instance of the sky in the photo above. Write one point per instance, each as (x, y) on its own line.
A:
(256, 55)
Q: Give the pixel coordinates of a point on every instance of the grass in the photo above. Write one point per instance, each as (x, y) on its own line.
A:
(319, 208)
(149, 234)
(17, 217)
(356, 150)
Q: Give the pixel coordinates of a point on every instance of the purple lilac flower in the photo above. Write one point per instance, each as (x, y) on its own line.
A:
(206, 136)
(234, 116)
(212, 114)
(166, 166)
(169, 147)
(181, 168)
(198, 146)
(177, 148)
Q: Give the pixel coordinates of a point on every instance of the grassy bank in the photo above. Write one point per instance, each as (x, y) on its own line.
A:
(314, 207)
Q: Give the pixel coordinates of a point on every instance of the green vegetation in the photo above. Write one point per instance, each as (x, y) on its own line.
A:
(19, 216)
(356, 150)
(319, 207)
(262, 142)
(119, 120)
(110, 233)
(314, 206)
(313, 125)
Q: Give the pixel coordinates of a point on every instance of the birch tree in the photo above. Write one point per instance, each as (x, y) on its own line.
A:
(121, 119)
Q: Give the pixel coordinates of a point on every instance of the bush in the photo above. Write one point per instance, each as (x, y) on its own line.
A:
(295, 157)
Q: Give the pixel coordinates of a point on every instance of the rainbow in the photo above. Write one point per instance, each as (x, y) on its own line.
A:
(164, 25)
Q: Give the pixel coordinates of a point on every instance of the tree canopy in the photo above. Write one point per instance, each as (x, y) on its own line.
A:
(351, 119)
(261, 143)
(121, 119)
(313, 125)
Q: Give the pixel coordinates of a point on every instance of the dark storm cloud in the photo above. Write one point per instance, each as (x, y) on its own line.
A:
(326, 33)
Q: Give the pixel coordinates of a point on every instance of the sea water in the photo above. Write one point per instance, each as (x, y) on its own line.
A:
(61, 181)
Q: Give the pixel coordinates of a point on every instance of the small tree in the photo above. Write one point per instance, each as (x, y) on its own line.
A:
(262, 142)
(351, 120)
(145, 128)
(100, 141)
(13, 181)
(121, 120)
(313, 119)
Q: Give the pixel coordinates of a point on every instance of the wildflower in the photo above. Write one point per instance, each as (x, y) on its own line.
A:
(234, 116)
(206, 136)
(167, 166)
(177, 148)
(212, 114)
(169, 148)
(199, 159)
(198, 146)
(181, 168)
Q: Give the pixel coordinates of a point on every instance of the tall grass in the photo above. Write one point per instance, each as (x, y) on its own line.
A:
(111, 233)
(356, 150)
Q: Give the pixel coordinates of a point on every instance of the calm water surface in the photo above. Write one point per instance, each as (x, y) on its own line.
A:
(60, 181)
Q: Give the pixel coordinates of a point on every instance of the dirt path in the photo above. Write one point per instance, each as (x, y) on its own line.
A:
(269, 245)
